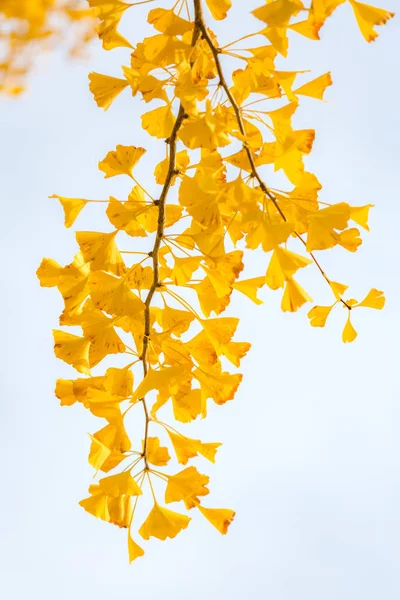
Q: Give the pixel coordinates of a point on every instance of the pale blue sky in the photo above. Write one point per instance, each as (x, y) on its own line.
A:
(311, 444)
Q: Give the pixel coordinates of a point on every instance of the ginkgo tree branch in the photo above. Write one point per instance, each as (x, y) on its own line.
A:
(181, 351)
(201, 24)
(161, 205)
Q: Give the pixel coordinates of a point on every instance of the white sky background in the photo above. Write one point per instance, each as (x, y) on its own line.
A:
(310, 460)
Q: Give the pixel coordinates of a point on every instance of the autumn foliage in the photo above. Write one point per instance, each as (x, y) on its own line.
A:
(212, 202)
(29, 27)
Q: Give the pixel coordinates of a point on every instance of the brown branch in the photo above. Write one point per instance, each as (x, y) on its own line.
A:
(161, 203)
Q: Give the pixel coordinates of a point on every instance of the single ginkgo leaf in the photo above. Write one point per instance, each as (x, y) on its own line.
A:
(278, 13)
(315, 88)
(283, 265)
(350, 239)
(221, 387)
(134, 550)
(119, 382)
(162, 523)
(374, 299)
(250, 287)
(294, 296)
(360, 215)
(166, 381)
(186, 448)
(159, 122)
(120, 510)
(65, 392)
(156, 455)
(105, 88)
(99, 329)
(100, 250)
(49, 272)
(121, 161)
(220, 331)
(97, 506)
(221, 518)
(112, 295)
(318, 315)
(186, 485)
(72, 207)
(349, 334)
(323, 224)
(161, 170)
(338, 289)
(120, 484)
(98, 453)
(187, 406)
(219, 8)
(73, 350)
(235, 351)
(166, 21)
(368, 17)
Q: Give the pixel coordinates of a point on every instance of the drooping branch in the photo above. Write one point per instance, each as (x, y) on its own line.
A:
(201, 24)
(161, 205)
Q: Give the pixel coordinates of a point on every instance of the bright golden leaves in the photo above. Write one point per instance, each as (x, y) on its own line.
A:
(30, 27)
(159, 308)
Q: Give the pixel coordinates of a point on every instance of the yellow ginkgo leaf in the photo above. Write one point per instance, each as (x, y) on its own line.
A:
(121, 510)
(186, 485)
(162, 523)
(374, 299)
(338, 289)
(161, 170)
(349, 334)
(283, 265)
(186, 448)
(294, 296)
(360, 215)
(315, 88)
(221, 387)
(73, 350)
(368, 17)
(105, 88)
(278, 13)
(159, 122)
(156, 454)
(134, 550)
(97, 506)
(120, 484)
(110, 36)
(112, 295)
(219, 8)
(167, 381)
(318, 315)
(99, 330)
(323, 224)
(100, 250)
(98, 453)
(49, 272)
(72, 207)
(221, 518)
(121, 161)
(250, 287)
(119, 382)
(187, 406)
(350, 239)
(168, 22)
(65, 392)
(220, 331)
(235, 351)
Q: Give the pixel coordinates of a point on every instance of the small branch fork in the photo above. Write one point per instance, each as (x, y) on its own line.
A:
(161, 204)
(201, 25)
